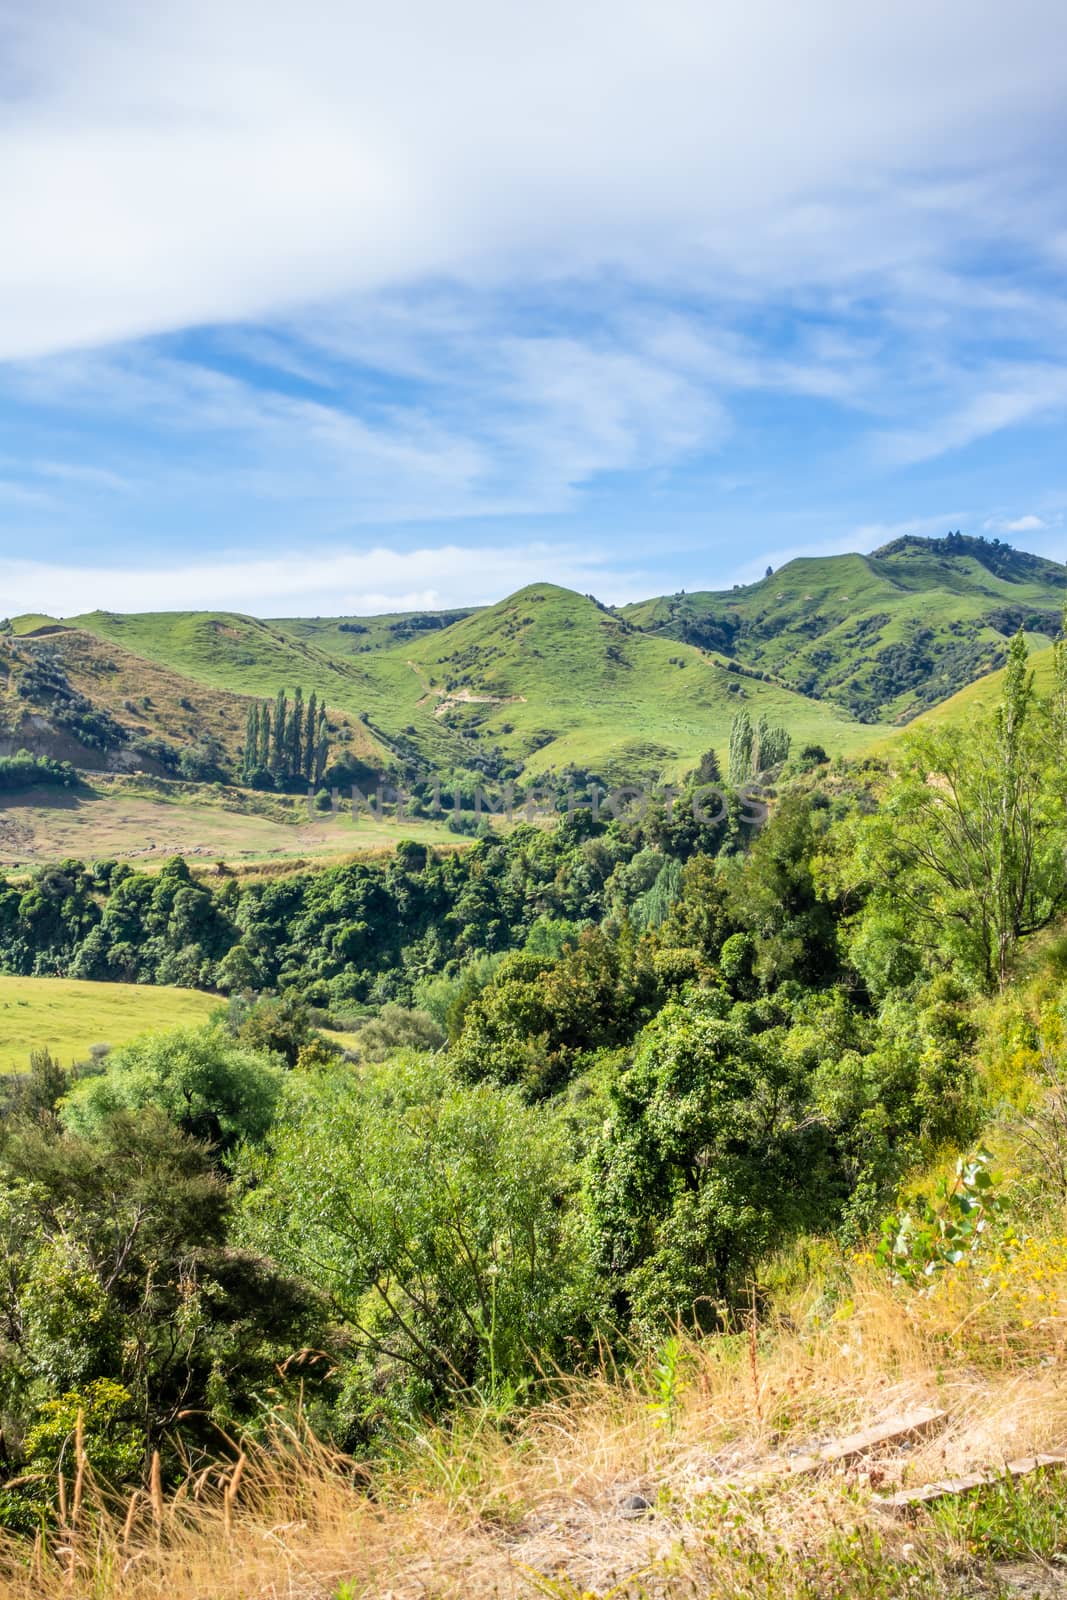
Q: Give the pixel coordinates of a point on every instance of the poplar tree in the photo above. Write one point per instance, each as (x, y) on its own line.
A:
(322, 747)
(295, 740)
(281, 705)
(252, 738)
(310, 737)
(264, 738)
(741, 737)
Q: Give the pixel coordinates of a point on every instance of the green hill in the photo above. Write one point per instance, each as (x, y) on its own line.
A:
(839, 649)
(553, 679)
(543, 680)
(78, 695)
(978, 698)
(884, 635)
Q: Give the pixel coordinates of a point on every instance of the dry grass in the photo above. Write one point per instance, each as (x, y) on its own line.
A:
(532, 1505)
(147, 821)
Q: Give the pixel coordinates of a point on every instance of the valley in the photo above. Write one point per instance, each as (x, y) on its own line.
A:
(841, 651)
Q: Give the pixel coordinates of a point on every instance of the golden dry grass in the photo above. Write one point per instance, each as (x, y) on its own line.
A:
(147, 821)
(515, 1507)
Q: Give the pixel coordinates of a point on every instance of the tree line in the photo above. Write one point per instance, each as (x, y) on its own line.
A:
(286, 741)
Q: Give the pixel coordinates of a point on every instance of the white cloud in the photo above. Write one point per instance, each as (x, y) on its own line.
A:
(506, 424)
(164, 166)
(325, 582)
(1027, 524)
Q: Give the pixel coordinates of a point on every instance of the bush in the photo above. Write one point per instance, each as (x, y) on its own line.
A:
(436, 1218)
(208, 1084)
(26, 771)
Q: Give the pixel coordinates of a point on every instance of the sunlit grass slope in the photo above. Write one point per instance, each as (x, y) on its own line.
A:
(891, 632)
(68, 1017)
(545, 679)
(553, 678)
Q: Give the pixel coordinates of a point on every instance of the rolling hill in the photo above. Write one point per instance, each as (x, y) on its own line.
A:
(884, 635)
(542, 681)
(840, 650)
(78, 695)
(553, 679)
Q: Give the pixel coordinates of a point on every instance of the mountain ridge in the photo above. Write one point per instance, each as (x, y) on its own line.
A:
(839, 649)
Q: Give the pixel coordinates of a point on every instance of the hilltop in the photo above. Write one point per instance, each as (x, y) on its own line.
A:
(885, 635)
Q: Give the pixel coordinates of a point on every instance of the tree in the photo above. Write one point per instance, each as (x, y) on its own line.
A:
(265, 744)
(740, 764)
(311, 734)
(967, 849)
(706, 1163)
(296, 735)
(709, 771)
(435, 1217)
(279, 753)
(322, 747)
(773, 895)
(118, 1270)
(212, 1087)
(770, 746)
(251, 751)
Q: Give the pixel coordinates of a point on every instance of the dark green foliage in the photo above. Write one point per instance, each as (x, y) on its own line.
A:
(279, 1027)
(285, 746)
(539, 1018)
(25, 771)
(203, 762)
(707, 1163)
(119, 1275)
(776, 900)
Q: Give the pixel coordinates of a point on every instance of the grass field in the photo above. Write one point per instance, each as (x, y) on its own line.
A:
(147, 821)
(69, 1017)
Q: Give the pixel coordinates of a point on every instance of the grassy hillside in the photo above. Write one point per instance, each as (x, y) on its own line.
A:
(978, 698)
(225, 651)
(551, 679)
(543, 680)
(839, 649)
(69, 1017)
(886, 635)
(72, 694)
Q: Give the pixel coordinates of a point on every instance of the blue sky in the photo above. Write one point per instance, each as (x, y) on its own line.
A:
(338, 307)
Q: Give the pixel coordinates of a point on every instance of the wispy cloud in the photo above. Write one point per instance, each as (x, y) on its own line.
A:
(1016, 395)
(273, 284)
(322, 582)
